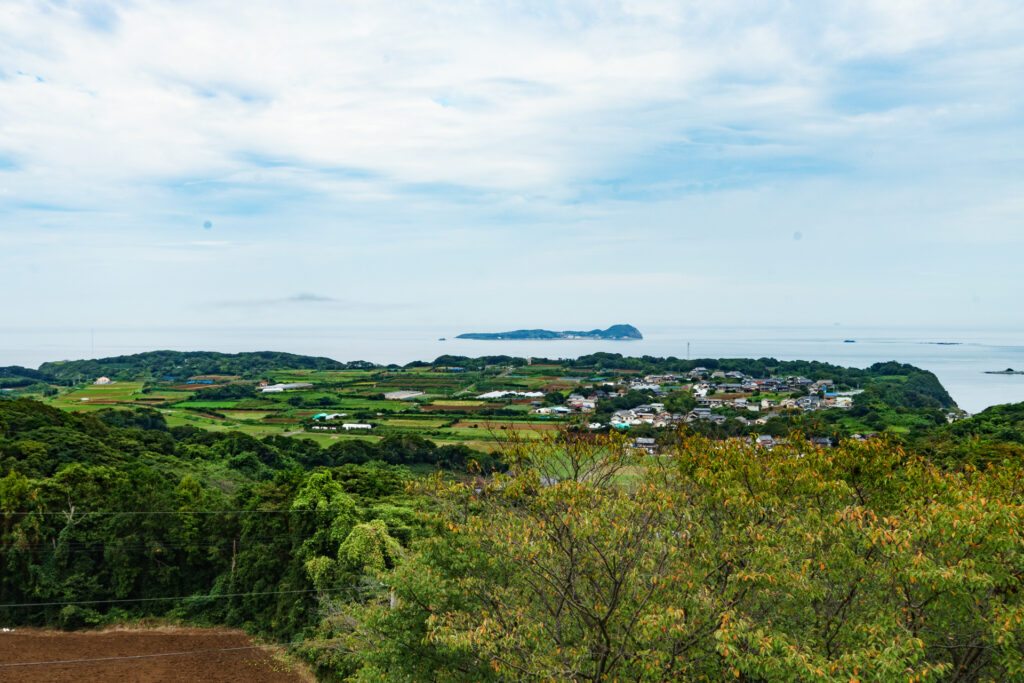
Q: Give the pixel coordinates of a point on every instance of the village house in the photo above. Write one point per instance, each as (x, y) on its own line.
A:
(646, 445)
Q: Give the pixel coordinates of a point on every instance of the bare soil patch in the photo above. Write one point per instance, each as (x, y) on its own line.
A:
(220, 655)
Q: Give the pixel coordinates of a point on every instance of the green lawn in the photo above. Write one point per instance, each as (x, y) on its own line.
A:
(214, 405)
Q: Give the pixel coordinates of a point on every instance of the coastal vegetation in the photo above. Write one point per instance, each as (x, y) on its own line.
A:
(442, 399)
(577, 558)
(463, 537)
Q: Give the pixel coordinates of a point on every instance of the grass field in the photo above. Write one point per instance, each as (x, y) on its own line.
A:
(178, 418)
(119, 392)
(317, 376)
(247, 414)
(328, 439)
(412, 422)
(515, 426)
(213, 405)
(476, 445)
(483, 434)
(369, 404)
(169, 395)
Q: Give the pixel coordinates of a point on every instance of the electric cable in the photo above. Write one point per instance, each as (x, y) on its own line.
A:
(13, 605)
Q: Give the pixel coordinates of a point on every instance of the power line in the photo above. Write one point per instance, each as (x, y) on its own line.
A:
(242, 541)
(66, 513)
(182, 597)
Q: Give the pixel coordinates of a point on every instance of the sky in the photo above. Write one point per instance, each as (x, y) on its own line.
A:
(496, 165)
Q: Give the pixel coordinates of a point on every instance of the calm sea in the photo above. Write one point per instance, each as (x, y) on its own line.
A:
(959, 361)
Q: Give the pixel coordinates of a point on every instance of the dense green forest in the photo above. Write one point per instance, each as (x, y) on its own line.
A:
(993, 435)
(719, 563)
(575, 559)
(189, 363)
(555, 555)
(106, 515)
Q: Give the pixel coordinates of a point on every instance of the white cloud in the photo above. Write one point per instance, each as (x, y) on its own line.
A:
(418, 151)
(472, 95)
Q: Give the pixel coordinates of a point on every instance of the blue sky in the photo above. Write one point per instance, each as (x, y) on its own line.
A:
(484, 165)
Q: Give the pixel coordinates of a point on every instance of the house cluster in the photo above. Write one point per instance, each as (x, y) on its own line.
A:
(711, 389)
(575, 403)
(768, 442)
(820, 394)
(653, 414)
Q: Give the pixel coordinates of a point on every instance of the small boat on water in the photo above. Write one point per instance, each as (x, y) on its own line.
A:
(849, 341)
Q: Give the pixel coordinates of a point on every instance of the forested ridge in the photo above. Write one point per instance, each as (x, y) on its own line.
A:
(184, 364)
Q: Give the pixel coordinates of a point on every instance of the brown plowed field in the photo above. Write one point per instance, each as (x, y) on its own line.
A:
(31, 645)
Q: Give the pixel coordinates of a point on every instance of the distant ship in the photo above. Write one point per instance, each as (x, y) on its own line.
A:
(849, 341)
(441, 339)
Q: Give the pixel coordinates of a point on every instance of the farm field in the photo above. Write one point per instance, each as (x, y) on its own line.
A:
(119, 392)
(447, 412)
(413, 422)
(235, 405)
(514, 426)
(243, 415)
(216, 405)
(327, 438)
(220, 655)
(496, 435)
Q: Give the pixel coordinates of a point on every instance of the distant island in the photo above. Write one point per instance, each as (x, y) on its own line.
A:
(615, 332)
